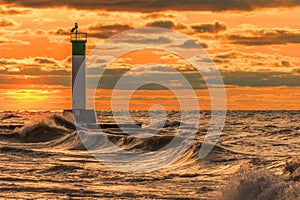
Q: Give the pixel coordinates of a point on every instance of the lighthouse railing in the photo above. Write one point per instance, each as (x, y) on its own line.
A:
(78, 37)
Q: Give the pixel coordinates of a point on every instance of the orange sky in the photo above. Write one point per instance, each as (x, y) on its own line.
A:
(255, 47)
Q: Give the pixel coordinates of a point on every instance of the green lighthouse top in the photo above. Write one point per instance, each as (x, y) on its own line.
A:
(77, 37)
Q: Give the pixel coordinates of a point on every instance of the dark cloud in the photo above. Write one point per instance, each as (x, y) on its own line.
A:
(169, 24)
(254, 62)
(159, 40)
(162, 24)
(192, 44)
(110, 27)
(104, 31)
(111, 76)
(296, 71)
(214, 27)
(35, 66)
(35, 71)
(157, 16)
(260, 79)
(285, 63)
(210, 28)
(159, 5)
(265, 37)
(109, 80)
(42, 60)
(60, 31)
(231, 79)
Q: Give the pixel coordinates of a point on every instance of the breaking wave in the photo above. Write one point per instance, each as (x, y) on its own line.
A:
(57, 131)
(48, 129)
(250, 183)
(38, 139)
(9, 116)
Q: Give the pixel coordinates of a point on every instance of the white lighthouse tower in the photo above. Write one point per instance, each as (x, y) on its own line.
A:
(79, 111)
(78, 41)
(80, 114)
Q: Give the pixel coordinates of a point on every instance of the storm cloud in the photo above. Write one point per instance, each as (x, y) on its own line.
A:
(158, 5)
(265, 37)
(210, 28)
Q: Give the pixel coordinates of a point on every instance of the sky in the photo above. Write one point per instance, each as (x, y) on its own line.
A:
(254, 45)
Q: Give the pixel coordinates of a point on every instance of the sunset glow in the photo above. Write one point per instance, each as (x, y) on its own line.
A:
(254, 46)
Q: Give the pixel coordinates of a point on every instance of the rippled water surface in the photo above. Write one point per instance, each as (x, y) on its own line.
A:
(256, 157)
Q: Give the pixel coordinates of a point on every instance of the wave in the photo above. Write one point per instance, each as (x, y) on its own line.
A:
(40, 132)
(292, 167)
(60, 132)
(250, 183)
(57, 131)
(70, 141)
(63, 122)
(24, 152)
(136, 144)
(48, 129)
(61, 168)
(9, 116)
(73, 141)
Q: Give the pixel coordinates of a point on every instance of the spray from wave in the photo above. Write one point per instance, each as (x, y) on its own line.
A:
(251, 183)
(45, 130)
(60, 132)
(54, 142)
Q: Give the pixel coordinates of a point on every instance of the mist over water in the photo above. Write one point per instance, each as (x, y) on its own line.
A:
(256, 157)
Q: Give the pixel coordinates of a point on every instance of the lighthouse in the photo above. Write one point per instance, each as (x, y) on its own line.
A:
(78, 41)
(79, 112)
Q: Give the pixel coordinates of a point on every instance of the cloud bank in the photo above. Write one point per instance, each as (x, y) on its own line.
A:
(158, 5)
